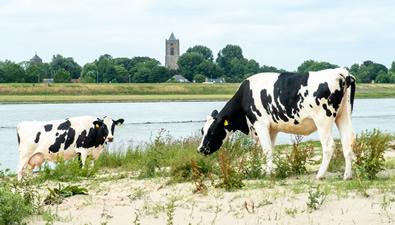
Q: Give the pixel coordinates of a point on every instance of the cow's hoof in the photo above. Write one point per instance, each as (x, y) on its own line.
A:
(347, 177)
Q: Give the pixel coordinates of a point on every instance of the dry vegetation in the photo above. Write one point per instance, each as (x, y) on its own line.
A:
(168, 182)
(144, 92)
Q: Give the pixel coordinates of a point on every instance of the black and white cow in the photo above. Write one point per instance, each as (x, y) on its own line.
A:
(268, 103)
(84, 136)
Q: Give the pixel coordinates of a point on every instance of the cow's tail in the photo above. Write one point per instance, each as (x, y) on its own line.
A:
(17, 134)
(350, 83)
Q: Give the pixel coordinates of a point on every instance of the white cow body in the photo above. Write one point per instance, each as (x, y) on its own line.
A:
(52, 140)
(291, 103)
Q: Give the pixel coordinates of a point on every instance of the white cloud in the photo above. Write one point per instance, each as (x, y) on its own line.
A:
(281, 33)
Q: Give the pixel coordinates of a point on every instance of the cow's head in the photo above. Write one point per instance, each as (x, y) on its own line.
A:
(214, 133)
(105, 127)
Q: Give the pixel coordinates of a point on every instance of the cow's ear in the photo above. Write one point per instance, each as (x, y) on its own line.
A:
(214, 113)
(97, 123)
(119, 122)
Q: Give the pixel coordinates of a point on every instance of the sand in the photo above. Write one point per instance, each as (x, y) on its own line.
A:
(153, 201)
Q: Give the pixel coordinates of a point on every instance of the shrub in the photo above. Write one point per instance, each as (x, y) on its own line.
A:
(17, 200)
(252, 168)
(369, 153)
(69, 170)
(230, 179)
(13, 207)
(295, 162)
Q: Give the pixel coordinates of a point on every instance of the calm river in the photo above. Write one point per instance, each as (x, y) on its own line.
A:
(144, 120)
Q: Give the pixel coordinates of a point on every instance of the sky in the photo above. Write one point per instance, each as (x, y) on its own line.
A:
(281, 33)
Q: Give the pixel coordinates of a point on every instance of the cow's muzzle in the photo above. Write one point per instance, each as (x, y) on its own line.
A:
(110, 139)
(204, 150)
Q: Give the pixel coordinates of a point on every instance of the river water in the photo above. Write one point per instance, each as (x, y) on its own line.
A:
(144, 120)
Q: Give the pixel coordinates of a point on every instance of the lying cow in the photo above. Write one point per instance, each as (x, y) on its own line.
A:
(84, 136)
(268, 103)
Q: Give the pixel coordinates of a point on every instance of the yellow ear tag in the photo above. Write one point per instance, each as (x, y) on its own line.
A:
(226, 123)
(97, 125)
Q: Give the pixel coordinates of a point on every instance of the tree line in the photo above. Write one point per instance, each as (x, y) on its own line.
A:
(196, 64)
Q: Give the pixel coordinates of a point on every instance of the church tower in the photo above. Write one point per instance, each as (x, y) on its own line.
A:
(172, 52)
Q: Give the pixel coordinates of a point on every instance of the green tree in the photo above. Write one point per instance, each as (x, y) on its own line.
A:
(384, 77)
(62, 76)
(89, 73)
(311, 65)
(12, 72)
(203, 50)
(225, 57)
(67, 64)
(368, 71)
(209, 69)
(188, 64)
(265, 69)
(199, 78)
(36, 72)
(392, 69)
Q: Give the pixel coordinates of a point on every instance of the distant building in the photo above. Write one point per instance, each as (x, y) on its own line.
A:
(36, 59)
(172, 52)
(216, 81)
(48, 80)
(179, 79)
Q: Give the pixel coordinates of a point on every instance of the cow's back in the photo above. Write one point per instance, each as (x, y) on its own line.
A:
(288, 101)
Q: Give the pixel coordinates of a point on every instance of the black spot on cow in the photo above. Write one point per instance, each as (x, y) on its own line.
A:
(328, 112)
(94, 138)
(334, 98)
(287, 98)
(48, 127)
(70, 138)
(57, 134)
(334, 115)
(19, 138)
(296, 122)
(266, 100)
(306, 93)
(310, 106)
(65, 125)
(55, 147)
(37, 137)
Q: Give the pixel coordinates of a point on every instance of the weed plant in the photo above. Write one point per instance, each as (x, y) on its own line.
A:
(369, 153)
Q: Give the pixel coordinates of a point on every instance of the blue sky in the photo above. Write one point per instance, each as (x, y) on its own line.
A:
(282, 33)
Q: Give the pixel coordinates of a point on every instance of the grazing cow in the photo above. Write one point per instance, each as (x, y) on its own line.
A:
(84, 136)
(268, 103)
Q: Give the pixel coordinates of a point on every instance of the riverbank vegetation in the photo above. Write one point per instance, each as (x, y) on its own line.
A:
(175, 171)
(52, 93)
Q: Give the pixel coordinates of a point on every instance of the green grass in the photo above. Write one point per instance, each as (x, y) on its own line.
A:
(233, 167)
(16, 93)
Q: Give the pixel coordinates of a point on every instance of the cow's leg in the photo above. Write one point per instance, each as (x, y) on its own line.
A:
(273, 136)
(79, 159)
(82, 156)
(347, 134)
(22, 165)
(266, 144)
(324, 128)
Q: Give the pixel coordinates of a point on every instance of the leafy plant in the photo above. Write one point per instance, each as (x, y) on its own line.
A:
(57, 195)
(316, 198)
(69, 170)
(295, 162)
(369, 153)
(230, 179)
(198, 178)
